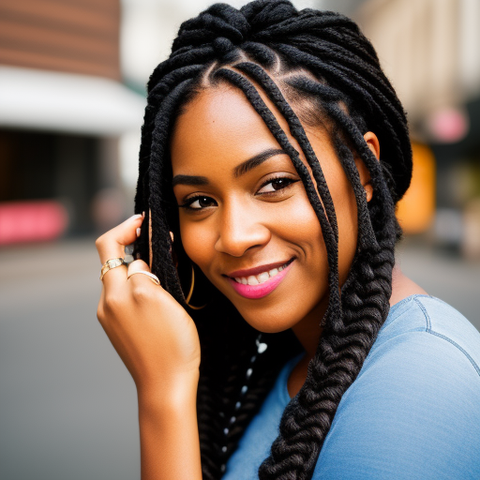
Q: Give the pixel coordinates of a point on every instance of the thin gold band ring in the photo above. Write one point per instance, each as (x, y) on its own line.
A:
(109, 264)
(150, 275)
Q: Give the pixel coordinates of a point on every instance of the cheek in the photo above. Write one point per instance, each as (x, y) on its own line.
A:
(299, 216)
(198, 242)
(300, 227)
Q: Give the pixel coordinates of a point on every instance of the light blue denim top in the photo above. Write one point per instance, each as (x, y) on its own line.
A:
(412, 413)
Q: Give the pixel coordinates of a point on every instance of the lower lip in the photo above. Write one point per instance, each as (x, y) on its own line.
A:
(261, 290)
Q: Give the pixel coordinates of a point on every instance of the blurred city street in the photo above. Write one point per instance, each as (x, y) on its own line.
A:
(67, 403)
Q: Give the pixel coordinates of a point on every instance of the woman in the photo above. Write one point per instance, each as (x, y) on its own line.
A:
(273, 152)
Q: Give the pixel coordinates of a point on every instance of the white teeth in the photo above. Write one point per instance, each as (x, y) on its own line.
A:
(260, 278)
(263, 277)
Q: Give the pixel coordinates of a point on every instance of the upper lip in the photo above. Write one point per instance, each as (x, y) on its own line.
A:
(246, 272)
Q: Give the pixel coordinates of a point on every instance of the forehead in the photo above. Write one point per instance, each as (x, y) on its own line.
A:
(220, 122)
(219, 129)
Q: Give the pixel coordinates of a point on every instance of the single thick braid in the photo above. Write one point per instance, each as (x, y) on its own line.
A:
(162, 262)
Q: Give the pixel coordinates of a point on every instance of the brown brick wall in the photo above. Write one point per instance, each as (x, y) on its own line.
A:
(78, 36)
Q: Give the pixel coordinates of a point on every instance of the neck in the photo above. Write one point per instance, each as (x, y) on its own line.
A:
(308, 331)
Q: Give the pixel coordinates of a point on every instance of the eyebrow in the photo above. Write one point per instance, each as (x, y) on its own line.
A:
(238, 171)
(189, 180)
(255, 161)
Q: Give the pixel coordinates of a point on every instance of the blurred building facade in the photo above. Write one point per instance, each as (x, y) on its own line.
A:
(430, 49)
(63, 109)
(69, 128)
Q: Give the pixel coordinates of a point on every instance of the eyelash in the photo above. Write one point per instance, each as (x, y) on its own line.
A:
(289, 181)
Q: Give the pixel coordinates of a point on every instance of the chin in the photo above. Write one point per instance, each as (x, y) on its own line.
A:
(269, 320)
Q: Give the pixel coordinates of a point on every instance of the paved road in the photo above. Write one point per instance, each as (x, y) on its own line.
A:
(67, 404)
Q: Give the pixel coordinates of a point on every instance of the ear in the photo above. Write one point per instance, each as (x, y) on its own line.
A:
(374, 146)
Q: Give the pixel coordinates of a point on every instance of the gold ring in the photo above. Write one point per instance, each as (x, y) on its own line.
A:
(150, 275)
(109, 264)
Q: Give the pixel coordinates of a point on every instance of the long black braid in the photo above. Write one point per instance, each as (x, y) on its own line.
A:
(318, 70)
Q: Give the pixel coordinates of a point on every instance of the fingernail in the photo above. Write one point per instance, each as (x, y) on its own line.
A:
(139, 231)
(143, 214)
(172, 236)
(134, 217)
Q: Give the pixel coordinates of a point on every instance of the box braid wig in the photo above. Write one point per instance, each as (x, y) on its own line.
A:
(318, 69)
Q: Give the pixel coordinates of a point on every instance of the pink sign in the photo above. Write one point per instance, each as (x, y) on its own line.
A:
(32, 221)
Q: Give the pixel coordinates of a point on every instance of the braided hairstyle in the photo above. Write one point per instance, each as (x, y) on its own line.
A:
(330, 74)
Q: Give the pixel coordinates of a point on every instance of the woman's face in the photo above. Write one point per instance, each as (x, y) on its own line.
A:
(245, 218)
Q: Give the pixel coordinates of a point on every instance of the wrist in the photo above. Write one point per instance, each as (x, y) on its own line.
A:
(171, 393)
(169, 438)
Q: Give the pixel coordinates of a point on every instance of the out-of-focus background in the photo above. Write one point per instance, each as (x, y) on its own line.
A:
(72, 93)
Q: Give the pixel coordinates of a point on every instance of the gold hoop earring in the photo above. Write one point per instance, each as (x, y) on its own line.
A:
(190, 293)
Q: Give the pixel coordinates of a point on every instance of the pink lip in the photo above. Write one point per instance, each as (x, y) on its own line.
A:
(246, 272)
(261, 290)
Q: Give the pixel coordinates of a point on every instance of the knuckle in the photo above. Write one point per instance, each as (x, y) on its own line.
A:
(112, 302)
(100, 313)
(139, 264)
(99, 241)
(140, 292)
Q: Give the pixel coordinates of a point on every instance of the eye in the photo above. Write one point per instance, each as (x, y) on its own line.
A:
(275, 184)
(199, 203)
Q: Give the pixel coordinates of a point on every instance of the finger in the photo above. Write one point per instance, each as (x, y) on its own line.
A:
(112, 244)
(139, 276)
(138, 271)
(137, 266)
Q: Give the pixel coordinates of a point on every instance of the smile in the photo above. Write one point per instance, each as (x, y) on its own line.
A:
(261, 278)
(260, 284)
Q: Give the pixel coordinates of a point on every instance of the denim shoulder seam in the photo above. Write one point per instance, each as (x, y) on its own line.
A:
(456, 345)
(439, 335)
(428, 322)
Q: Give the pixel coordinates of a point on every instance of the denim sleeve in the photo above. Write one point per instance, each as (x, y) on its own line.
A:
(413, 413)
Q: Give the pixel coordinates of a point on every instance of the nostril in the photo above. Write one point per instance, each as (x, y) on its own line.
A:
(240, 229)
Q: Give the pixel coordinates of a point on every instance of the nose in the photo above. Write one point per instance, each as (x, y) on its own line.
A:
(240, 229)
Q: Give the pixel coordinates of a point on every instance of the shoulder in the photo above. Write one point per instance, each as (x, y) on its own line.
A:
(422, 320)
(414, 409)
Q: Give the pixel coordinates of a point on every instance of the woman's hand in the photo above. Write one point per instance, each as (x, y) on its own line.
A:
(154, 336)
(158, 342)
